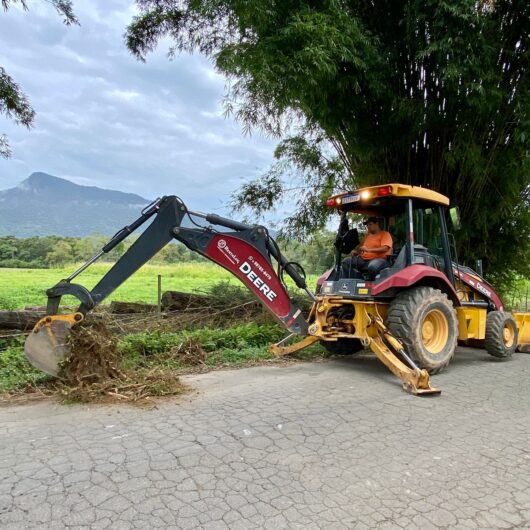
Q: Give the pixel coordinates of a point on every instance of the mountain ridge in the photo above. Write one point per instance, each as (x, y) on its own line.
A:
(44, 204)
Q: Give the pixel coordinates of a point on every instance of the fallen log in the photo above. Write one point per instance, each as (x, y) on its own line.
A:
(22, 320)
(177, 301)
(127, 308)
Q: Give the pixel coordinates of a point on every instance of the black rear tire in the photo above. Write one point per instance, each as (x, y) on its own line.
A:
(343, 346)
(501, 334)
(424, 319)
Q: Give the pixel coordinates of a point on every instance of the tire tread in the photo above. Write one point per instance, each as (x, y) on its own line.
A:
(401, 316)
(493, 341)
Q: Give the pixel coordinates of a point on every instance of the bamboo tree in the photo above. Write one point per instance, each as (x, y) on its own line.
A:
(427, 92)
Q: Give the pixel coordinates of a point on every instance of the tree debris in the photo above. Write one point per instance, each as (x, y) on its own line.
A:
(93, 372)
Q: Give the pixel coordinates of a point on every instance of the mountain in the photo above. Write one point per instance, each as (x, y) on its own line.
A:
(46, 205)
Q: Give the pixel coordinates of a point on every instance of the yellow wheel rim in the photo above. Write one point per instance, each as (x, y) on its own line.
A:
(435, 331)
(508, 335)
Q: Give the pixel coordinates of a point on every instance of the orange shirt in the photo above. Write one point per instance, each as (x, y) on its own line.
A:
(376, 241)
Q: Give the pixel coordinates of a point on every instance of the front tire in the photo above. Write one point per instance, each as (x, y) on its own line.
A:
(501, 334)
(424, 319)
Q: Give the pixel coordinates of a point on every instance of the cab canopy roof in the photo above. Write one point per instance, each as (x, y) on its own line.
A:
(387, 198)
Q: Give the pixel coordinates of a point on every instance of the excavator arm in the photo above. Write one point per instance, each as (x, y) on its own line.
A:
(246, 251)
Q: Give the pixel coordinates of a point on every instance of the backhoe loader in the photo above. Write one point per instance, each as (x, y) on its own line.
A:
(411, 314)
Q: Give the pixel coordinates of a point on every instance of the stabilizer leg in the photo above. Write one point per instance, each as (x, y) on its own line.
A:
(279, 350)
(415, 380)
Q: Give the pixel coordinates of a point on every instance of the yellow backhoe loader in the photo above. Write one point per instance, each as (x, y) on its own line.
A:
(411, 314)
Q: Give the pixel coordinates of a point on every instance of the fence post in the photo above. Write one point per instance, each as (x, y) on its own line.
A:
(159, 296)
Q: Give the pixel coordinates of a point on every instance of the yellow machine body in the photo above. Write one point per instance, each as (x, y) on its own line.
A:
(361, 326)
(523, 327)
(472, 320)
(471, 323)
(367, 325)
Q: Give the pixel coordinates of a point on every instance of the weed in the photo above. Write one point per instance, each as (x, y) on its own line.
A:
(238, 356)
(137, 346)
(146, 343)
(16, 371)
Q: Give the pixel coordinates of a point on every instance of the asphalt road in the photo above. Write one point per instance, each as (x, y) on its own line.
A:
(329, 445)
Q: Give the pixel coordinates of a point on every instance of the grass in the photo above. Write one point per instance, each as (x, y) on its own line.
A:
(16, 371)
(142, 352)
(27, 287)
(238, 345)
(150, 344)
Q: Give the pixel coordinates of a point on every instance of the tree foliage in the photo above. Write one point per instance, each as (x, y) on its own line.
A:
(315, 254)
(427, 92)
(13, 102)
(53, 251)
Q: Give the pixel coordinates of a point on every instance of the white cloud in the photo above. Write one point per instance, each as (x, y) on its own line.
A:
(123, 95)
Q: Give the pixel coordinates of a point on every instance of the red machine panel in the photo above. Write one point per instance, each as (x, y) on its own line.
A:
(253, 269)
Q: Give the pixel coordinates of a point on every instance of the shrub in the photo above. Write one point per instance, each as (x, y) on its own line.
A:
(16, 371)
(148, 343)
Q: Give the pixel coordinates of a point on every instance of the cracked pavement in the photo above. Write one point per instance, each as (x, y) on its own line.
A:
(334, 444)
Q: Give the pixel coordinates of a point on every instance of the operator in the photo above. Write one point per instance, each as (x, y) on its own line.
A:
(371, 255)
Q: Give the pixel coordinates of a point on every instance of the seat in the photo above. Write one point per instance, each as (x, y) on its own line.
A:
(398, 262)
(396, 249)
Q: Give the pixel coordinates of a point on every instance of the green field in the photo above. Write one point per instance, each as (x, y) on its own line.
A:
(20, 288)
(27, 287)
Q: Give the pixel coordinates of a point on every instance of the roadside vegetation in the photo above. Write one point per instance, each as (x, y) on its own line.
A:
(136, 358)
(141, 366)
(147, 352)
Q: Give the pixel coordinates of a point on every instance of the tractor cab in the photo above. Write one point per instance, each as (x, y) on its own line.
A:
(415, 218)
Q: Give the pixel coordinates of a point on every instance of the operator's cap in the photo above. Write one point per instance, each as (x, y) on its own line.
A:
(371, 219)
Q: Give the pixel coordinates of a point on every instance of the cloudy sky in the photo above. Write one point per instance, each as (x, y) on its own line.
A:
(105, 119)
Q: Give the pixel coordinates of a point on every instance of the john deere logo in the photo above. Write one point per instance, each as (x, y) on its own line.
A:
(221, 244)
